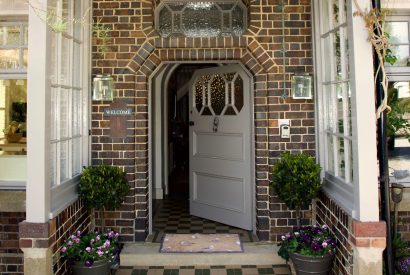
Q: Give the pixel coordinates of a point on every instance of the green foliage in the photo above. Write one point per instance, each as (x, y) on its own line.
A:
(390, 58)
(401, 248)
(102, 35)
(103, 187)
(296, 179)
(395, 118)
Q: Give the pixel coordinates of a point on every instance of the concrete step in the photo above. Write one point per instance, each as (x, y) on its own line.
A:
(147, 254)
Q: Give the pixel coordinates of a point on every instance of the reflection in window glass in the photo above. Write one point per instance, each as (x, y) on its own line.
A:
(13, 46)
(400, 42)
(13, 115)
(335, 98)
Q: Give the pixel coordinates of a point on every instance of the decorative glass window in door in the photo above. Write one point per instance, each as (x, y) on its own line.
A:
(218, 94)
(201, 18)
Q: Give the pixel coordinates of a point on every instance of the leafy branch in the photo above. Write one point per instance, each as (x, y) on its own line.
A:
(59, 24)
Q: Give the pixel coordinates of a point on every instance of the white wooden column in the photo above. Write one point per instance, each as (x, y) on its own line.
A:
(365, 167)
(38, 118)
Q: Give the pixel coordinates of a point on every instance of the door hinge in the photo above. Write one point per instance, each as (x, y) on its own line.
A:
(89, 132)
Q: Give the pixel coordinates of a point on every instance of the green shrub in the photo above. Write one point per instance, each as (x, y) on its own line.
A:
(103, 187)
(296, 180)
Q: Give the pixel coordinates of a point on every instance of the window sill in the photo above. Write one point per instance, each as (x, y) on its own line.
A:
(341, 193)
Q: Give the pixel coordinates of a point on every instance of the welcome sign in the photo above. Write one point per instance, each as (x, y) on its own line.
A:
(118, 113)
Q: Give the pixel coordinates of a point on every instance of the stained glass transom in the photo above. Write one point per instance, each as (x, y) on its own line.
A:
(218, 94)
(201, 19)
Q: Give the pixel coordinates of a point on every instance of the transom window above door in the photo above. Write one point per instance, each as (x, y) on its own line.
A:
(201, 18)
(218, 94)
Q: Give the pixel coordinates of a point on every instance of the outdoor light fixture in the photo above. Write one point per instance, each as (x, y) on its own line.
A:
(302, 86)
(103, 87)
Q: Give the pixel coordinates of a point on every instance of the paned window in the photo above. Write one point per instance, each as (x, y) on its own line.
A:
(201, 18)
(398, 131)
(336, 95)
(398, 28)
(68, 129)
(13, 103)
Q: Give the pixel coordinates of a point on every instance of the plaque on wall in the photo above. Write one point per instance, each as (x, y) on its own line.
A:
(118, 114)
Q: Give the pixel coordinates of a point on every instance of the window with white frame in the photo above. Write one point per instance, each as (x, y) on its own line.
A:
(13, 101)
(398, 27)
(335, 95)
(69, 96)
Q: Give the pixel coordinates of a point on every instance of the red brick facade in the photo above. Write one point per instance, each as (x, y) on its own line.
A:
(136, 51)
(11, 257)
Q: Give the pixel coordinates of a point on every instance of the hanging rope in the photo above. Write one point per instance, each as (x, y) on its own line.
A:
(374, 19)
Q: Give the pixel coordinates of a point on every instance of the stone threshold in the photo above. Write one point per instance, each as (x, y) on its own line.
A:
(147, 254)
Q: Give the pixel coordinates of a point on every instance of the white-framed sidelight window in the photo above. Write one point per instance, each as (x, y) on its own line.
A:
(59, 146)
(69, 94)
(345, 108)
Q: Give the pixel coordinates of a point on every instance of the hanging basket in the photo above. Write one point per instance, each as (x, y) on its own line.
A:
(312, 265)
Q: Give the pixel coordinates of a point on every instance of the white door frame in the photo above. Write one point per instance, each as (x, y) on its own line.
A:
(157, 85)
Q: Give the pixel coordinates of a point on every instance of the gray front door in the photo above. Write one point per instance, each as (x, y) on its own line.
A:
(220, 146)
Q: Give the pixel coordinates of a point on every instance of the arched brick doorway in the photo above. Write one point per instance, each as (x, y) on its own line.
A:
(246, 51)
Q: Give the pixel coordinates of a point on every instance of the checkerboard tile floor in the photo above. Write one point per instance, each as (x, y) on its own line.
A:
(172, 216)
(206, 270)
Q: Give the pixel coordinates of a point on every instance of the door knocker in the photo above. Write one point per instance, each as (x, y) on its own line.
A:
(216, 124)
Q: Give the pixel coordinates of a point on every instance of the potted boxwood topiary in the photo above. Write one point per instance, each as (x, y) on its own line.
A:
(296, 181)
(103, 188)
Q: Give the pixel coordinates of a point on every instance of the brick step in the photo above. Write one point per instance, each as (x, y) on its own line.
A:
(147, 254)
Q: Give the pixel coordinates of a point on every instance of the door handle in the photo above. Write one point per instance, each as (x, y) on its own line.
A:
(191, 123)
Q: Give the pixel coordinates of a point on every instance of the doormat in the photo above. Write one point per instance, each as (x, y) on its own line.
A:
(201, 243)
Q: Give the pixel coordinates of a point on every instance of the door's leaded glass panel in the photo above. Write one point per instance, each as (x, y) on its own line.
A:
(201, 19)
(198, 96)
(238, 96)
(218, 94)
(224, 97)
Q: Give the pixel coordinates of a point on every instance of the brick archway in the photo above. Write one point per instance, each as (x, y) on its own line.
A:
(245, 50)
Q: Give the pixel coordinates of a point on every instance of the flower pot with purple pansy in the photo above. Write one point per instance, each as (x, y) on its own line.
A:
(403, 266)
(90, 253)
(311, 249)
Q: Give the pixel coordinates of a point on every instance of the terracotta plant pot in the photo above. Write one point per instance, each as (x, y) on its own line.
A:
(309, 265)
(102, 267)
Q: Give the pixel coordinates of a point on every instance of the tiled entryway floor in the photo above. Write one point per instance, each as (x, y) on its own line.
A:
(172, 216)
(206, 270)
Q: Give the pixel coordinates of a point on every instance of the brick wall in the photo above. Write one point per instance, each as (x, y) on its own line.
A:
(11, 257)
(349, 233)
(326, 211)
(55, 232)
(135, 52)
(403, 224)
